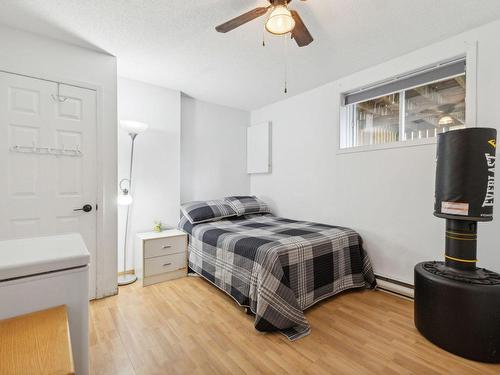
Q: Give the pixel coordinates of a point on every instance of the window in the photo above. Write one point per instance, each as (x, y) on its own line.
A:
(416, 106)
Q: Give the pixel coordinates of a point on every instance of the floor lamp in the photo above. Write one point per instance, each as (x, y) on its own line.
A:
(133, 128)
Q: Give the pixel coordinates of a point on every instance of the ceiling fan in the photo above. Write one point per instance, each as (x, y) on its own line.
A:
(280, 21)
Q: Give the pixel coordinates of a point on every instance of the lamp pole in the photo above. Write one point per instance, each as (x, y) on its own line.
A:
(126, 279)
(133, 128)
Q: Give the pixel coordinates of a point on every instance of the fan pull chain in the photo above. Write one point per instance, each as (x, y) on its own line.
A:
(264, 37)
(285, 46)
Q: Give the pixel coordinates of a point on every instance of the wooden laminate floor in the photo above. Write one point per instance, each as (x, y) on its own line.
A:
(187, 326)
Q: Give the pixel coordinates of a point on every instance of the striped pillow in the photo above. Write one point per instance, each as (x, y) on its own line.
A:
(203, 211)
(246, 205)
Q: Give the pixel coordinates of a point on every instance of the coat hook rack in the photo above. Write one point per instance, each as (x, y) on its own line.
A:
(63, 151)
(58, 97)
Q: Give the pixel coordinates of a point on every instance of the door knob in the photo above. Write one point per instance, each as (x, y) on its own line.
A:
(85, 208)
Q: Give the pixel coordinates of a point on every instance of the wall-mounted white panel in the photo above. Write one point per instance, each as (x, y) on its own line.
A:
(258, 148)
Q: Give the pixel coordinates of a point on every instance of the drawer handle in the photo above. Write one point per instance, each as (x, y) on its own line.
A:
(167, 264)
(166, 246)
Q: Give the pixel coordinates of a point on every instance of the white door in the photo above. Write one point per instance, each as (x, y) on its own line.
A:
(39, 190)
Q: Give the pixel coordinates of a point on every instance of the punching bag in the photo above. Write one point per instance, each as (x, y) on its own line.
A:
(465, 174)
(457, 305)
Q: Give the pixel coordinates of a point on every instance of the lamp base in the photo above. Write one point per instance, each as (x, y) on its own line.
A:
(126, 279)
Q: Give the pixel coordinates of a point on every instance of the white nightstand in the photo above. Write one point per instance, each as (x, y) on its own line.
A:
(160, 256)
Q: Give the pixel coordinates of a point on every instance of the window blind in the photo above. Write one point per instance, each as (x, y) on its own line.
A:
(411, 80)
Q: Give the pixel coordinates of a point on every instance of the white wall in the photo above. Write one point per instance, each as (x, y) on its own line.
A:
(156, 174)
(30, 54)
(213, 147)
(386, 195)
(205, 141)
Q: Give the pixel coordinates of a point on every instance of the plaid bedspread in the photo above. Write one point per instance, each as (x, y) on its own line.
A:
(278, 267)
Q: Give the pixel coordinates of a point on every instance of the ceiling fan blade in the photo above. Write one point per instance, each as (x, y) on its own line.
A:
(300, 33)
(240, 20)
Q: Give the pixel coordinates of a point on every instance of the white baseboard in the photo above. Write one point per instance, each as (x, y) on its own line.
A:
(395, 288)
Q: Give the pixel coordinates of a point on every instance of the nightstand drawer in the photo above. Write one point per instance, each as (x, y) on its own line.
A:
(164, 246)
(163, 264)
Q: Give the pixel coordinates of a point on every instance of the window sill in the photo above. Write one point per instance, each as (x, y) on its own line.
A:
(386, 146)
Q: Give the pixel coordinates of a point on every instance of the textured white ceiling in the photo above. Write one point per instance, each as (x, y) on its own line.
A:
(173, 43)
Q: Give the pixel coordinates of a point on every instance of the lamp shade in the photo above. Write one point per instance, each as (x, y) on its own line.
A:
(280, 20)
(133, 127)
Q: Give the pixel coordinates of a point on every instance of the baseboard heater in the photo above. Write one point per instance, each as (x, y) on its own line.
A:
(394, 286)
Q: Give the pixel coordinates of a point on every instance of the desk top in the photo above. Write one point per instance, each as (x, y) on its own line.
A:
(31, 256)
(36, 343)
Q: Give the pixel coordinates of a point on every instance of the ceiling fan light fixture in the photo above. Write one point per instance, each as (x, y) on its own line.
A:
(280, 20)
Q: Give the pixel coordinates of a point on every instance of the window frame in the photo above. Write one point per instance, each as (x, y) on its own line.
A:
(470, 57)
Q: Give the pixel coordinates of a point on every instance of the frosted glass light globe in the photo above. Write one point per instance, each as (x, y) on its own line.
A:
(280, 20)
(124, 200)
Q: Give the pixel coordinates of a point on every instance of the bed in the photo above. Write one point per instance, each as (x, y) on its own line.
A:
(277, 267)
